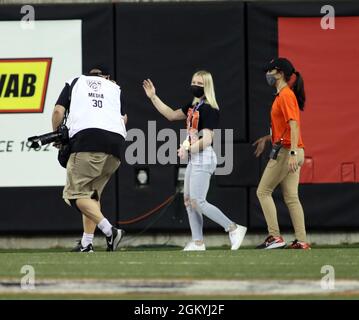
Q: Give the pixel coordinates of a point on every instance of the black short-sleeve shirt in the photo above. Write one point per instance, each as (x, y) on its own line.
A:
(205, 117)
(64, 97)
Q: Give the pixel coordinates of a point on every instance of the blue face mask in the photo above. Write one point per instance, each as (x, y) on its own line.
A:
(271, 79)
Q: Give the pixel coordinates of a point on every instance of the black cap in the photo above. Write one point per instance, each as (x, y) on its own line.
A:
(281, 64)
(99, 70)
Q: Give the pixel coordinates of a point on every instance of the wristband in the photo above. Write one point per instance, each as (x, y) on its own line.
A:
(186, 145)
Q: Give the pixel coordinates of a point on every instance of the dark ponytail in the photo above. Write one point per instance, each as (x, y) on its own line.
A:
(298, 89)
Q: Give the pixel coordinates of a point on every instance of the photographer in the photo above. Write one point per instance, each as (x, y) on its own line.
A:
(287, 154)
(97, 136)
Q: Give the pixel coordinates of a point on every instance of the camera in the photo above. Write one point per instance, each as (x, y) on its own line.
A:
(275, 150)
(61, 135)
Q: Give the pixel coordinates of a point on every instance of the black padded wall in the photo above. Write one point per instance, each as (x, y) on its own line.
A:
(331, 206)
(246, 168)
(177, 40)
(42, 210)
(136, 201)
(168, 42)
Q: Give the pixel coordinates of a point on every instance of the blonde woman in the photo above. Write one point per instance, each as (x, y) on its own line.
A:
(202, 117)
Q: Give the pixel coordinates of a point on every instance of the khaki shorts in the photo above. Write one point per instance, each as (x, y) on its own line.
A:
(88, 174)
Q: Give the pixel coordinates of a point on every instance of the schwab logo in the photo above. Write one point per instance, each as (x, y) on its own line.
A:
(23, 84)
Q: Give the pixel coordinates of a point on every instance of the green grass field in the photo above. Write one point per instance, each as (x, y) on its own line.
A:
(172, 264)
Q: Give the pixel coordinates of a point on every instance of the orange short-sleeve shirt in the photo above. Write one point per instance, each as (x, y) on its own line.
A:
(285, 108)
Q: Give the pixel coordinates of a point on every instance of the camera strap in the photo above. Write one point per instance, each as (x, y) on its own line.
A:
(66, 115)
(70, 95)
(72, 86)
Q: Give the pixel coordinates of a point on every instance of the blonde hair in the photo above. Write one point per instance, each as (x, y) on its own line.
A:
(210, 96)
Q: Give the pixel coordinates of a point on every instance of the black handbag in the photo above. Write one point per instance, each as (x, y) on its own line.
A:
(64, 154)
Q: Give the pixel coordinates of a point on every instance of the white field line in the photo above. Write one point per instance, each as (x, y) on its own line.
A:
(182, 287)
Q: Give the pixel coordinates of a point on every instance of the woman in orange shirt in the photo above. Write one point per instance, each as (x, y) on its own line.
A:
(287, 154)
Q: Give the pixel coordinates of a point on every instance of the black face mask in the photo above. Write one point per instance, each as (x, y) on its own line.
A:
(197, 91)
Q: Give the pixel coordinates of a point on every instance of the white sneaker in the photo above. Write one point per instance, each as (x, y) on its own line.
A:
(192, 246)
(236, 237)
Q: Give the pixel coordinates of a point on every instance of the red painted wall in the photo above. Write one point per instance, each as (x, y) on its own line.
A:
(329, 63)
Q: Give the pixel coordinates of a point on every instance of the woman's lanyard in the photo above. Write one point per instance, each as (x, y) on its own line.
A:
(193, 111)
(190, 124)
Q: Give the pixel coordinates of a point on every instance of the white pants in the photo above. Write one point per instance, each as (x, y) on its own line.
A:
(196, 184)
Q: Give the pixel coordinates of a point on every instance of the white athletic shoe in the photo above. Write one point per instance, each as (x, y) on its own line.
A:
(192, 246)
(236, 237)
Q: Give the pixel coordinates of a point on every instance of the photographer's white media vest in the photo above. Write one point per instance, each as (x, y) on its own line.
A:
(95, 103)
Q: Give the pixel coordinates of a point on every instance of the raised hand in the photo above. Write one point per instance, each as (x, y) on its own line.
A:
(149, 88)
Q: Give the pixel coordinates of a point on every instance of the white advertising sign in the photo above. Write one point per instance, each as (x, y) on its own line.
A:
(34, 65)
